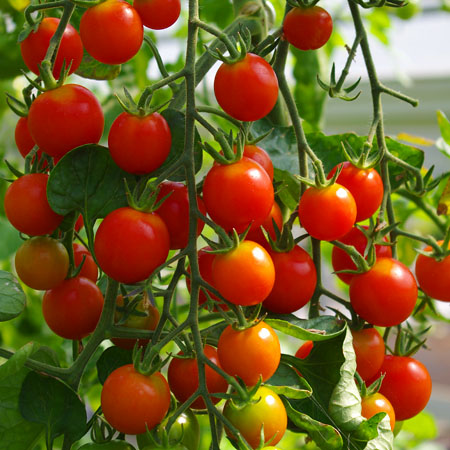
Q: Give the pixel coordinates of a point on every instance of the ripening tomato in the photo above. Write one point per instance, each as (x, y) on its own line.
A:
(175, 212)
(27, 208)
(139, 144)
(238, 194)
(369, 350)
(255, 233)
(437, 287)
(365, 185)
(268, 413)
(72, 309)
(295, 281)
(35, 46)
(23, 139)
(133, 402)
(341, 260)
(245, 275)
(327, 213)
(307, 28)
(183, 378)
(111, 31)
(406, 384)
(42, 262)
(377, 403)
(64, 118)
(130, 244)
(89, 269)
(158, 14)
(248, 89)
(251, 353)
(384, 296)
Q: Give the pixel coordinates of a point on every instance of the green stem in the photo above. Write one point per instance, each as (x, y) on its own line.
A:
(314, 305)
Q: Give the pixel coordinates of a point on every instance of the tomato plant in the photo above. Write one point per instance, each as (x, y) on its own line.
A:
(377, 403)
(158, 14)
(89, 268)
(42, 262)
(126, 396)
(255, 233)
(111, 31)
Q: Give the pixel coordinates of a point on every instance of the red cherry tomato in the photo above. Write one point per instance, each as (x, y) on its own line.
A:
(304, 350)
(385, 295)
(327, 213)
(27, 208)
(89, 269)
(238, 194)
(72, 309)
(42, 262)
(139, 144)
(307, 28)
(244, 276)
(22, 136)
(268, 413)
(376, 403)
(148, 321)
(369, 350)
(35, 46)
(406, 384)
(261, 157)
(365, 185)
(112, 31)
(183, 378)
(248, 89)
(158, 14)
(341, 260)
(256, 235)
(131, 244)
(251, 353)
(64, 118)
(427, 269)
(133, 402)
(175, 212)
(295, 281)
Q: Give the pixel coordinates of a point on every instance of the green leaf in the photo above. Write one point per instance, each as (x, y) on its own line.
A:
(286, 381)
(88, 181)
(12, 297)
(444, 200)
(220, 13)
(374, 434)
(95, 70)
(50, 402)
(418, 429)
(319, 329)
(287, 188)
(177, 123)
(325, 436)
(111, 359)
(17, 361)
(10, 240)
(443, 144)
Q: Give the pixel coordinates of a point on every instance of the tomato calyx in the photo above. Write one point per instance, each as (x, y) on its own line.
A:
(101, 431)
(142, 108)
(408, 341)
(236, 52)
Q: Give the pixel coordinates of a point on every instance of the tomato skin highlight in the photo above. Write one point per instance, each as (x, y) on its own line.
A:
(42, 262)
(341, 260)
(27, 207)
(295, 281)
(35, 46)
(248, 89)
(89, 269)
(158, 14)
(369, 350)
(112, 31)
(376, 403)
(385, 295)
(72, 309)
(327, 213)
(406, 384)
(130, 244)
(183, 378)
(260, 156)
(238, 194)
(139, 144)
(245, 275)
(251, 353)
(175, 212)
(307, 28)
(269, 412)
(64, 118)
(132, 401)
(427, 269)
(365, 185)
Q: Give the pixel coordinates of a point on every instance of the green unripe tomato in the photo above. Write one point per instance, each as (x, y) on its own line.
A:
(111, 445)
(409, 10)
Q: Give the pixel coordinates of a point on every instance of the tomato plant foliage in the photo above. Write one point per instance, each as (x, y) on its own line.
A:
(140, 197)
